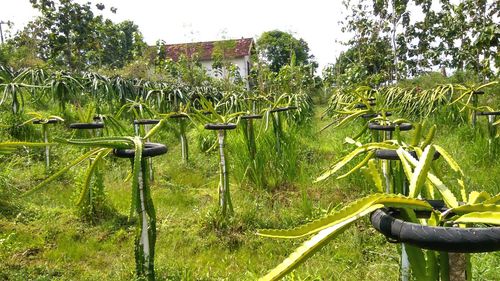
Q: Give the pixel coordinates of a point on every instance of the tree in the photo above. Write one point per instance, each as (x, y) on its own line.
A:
(364, 63)
(462, 36)
(68, 30)
(276, 48)
(70, 35)
(118, 43)
(376, 21)
(370, 58)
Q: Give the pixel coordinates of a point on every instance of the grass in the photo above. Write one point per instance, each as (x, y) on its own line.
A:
(42, 238)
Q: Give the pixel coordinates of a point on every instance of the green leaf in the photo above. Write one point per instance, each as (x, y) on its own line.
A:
(417, 135)
(352, 116)
(356, 207)
(430, 136)
(449, 159)
(157, 127)
(493, 200)
(313, 245)
(465, 209)
(136, 172)
(480, 217)
(419, 177)
(359, 165)
(352, 141)
(375, 175)
(446, 193)
(486, 85)
(8, 147)
(351, 155)
(63, 170)
(417, 262)
(107, 142)
(478, 197)
(88, 175)
(404, 162)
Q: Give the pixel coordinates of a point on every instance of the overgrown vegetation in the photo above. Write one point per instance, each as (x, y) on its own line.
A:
(293, 132)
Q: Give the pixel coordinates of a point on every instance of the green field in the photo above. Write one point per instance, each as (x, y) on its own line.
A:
(43, 238)
(135, 144)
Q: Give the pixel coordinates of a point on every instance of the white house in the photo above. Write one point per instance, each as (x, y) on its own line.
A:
(235, 51)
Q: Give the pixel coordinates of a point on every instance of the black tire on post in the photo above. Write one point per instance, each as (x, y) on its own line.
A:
(373, 115)
(437, 238)
(390, 128)
(391, 154)
(178, 116)
(47, 121)
(251, 116)
(362, 105)
(151, 149)
(146, 122)
(489, 113)
(280, 109)
(81, 126)
(220, 126)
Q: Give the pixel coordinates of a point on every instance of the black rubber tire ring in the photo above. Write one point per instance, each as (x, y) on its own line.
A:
(179, 116)
(390, 128)
(484, 113)
(446, 239)
(220, 126)
(280, 109)
(391, 154)
(251, 116)
(373, 115)
(146, 122)
(151, 149)
(362, 105)
(81, 126)
(49, 121)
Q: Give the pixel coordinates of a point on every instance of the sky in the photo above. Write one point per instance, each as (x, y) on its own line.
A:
(316, 21)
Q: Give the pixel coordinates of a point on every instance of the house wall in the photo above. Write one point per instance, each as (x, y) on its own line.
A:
(241, 63)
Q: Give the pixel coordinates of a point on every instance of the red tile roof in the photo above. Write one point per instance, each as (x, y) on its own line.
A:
(204, 50)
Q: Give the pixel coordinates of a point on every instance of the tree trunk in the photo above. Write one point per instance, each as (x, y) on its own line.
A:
(393, 42)
(68, 51)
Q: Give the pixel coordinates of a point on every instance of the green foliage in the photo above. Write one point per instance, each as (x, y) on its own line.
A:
(277, 48)
(454, 102)
(71, 36)
(422, 176)
(330, 226)
(364, 63)
(91, 201)
(43, 234)
(436, 41)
